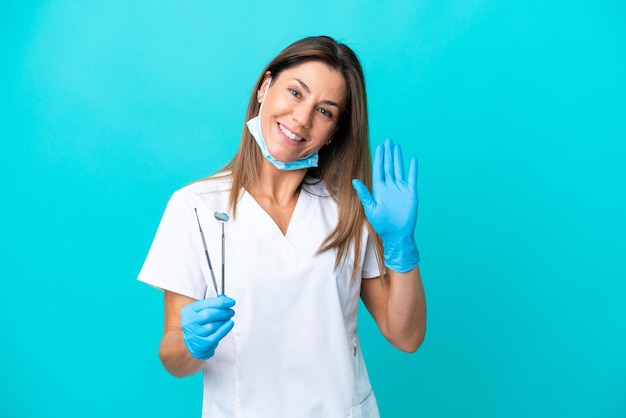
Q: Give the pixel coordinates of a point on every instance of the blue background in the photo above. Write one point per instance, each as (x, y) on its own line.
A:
(516, 111)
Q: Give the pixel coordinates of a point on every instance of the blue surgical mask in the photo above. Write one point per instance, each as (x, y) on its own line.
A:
(254, 126)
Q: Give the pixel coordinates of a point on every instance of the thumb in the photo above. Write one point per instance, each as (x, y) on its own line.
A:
(364, 195)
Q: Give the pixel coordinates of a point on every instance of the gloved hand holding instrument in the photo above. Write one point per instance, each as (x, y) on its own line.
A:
(204, 323)
(391, 208)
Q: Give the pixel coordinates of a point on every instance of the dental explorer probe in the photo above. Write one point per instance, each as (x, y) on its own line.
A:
(206, 252)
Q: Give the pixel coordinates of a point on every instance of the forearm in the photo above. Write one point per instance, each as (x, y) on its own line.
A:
(405, 324)
(175, 357)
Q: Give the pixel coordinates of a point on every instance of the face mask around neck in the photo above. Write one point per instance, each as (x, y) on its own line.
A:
(254, 126)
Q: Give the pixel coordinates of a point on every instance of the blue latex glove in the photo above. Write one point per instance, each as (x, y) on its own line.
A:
(204, 323)
(391, 208)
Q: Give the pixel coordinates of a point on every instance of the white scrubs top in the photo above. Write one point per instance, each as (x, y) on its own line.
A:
(294, 350)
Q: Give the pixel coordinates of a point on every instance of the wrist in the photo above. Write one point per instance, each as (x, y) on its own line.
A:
(401, 253)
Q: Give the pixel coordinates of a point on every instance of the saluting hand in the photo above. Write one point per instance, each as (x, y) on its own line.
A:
(391, 208)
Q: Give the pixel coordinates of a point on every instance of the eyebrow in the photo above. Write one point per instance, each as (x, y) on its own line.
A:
(308, 90)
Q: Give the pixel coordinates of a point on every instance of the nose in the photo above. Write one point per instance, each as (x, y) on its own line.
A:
(302, 115)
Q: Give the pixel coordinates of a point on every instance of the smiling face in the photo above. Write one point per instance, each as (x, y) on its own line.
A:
(301, 109)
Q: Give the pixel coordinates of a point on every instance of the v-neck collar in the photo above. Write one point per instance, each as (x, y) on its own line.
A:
(298, 215)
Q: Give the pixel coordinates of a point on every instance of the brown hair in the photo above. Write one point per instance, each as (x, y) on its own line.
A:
(347, 157)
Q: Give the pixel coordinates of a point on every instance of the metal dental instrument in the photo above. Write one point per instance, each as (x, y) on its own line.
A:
(222, 217)
(206, 252)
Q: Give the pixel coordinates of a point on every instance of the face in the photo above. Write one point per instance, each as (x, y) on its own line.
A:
(301, 109)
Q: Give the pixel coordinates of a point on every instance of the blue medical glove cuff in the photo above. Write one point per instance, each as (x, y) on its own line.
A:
(401, 253)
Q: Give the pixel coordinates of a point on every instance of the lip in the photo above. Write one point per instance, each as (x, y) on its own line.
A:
(282, 126)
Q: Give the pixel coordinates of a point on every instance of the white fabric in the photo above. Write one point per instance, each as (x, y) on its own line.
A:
(294, 350)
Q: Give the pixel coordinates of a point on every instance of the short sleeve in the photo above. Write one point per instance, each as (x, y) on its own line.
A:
(370, 263)
(172, 262)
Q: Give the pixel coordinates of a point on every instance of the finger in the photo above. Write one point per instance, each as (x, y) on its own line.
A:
(220, 302)
(220, 333)
(212, 315)
(205, 330)
(398, 162)
(412, 179)
(364, 195)
(198, 332)
(388, 161)
(377, 167)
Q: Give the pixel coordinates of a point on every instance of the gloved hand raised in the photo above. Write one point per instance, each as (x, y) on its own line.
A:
(204, 323)
(391, 208)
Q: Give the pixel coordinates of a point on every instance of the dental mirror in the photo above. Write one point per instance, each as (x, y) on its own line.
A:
(223, 218)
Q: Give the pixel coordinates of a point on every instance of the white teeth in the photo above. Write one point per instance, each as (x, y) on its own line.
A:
(290, 134)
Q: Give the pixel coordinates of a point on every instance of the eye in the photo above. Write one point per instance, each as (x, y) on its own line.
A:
(326, 113)
(294, 92)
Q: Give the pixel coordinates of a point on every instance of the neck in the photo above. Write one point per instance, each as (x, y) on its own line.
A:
(279, 186)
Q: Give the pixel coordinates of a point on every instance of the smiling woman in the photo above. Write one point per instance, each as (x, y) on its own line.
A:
(306, 238)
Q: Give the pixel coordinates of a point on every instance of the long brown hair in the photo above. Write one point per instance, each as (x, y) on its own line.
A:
(347, 157)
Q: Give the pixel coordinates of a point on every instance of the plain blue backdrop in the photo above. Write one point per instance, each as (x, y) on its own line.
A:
(516, 111)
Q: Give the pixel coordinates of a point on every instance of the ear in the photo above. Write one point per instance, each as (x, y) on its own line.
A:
(260, 93)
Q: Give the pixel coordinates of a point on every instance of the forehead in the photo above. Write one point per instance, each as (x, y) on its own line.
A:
(320, 78)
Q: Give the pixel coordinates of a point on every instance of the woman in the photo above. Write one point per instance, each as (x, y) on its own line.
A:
(304, 239)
